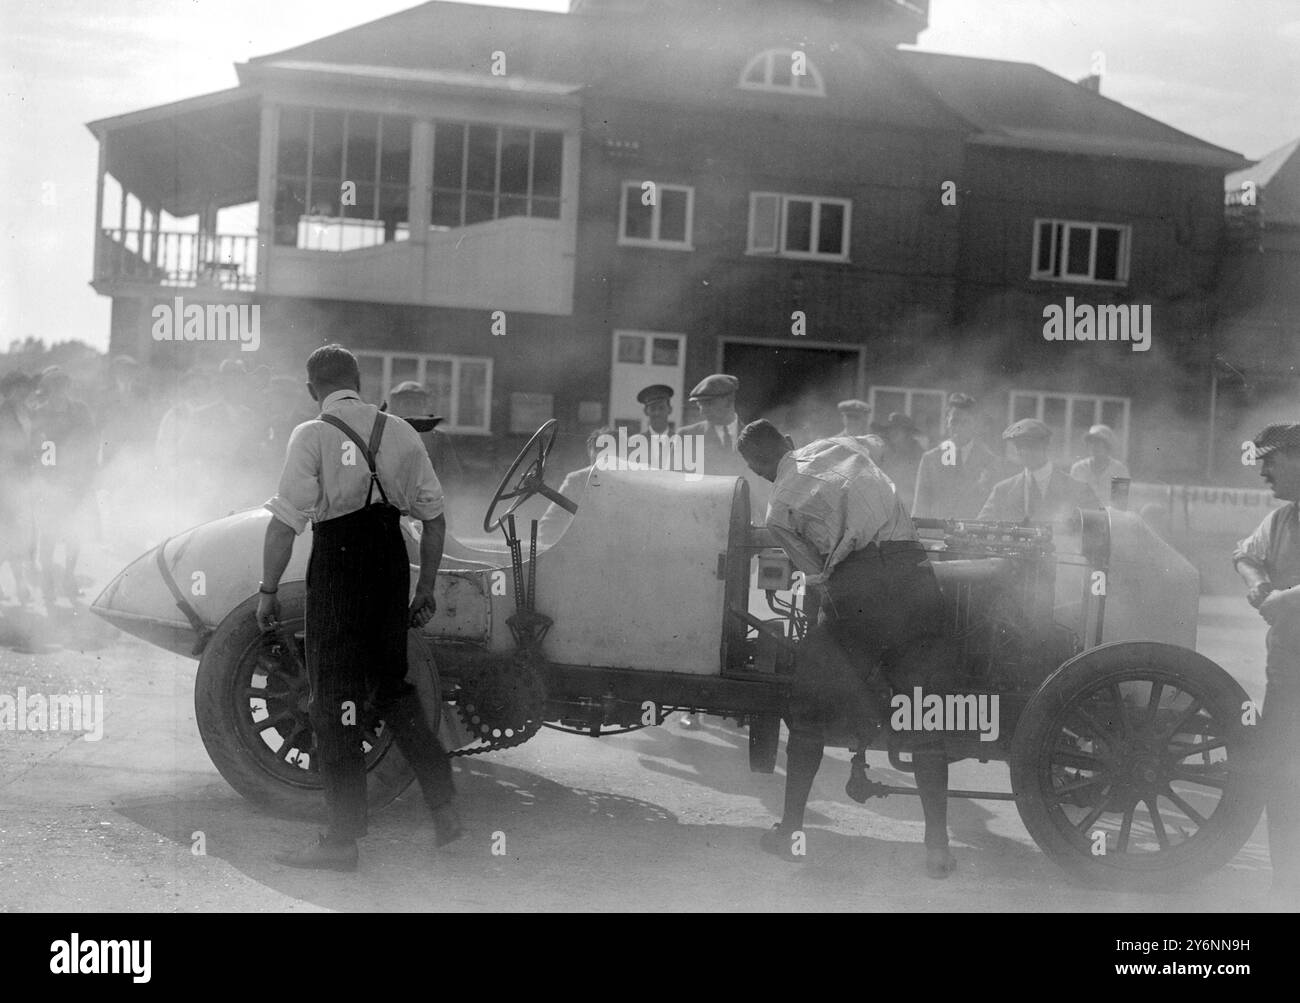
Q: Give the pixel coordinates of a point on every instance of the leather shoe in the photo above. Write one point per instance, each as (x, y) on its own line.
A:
(860, 787)
(321, 856)
(779, 841)
(447, 825)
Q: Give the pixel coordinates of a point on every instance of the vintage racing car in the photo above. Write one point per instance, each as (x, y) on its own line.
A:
(1130, 753)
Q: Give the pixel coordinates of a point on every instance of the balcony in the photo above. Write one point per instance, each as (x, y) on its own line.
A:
(225, 194)
(171, 259)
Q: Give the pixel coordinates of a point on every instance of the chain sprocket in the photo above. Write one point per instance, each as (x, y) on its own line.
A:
(501, 705)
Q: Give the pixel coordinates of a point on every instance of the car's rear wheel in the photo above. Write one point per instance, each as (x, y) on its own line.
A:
(1133, 767)
(250, 699)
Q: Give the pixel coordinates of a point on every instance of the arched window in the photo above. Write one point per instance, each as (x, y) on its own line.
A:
(787, 71)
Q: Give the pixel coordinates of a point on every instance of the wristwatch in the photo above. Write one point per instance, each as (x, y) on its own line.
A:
(265, 591)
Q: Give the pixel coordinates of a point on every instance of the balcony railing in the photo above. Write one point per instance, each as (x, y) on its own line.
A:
(185, 260)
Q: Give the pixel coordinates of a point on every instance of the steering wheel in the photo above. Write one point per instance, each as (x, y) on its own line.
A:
(530, 482)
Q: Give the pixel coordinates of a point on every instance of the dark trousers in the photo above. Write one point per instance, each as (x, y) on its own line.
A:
(880, 628)
(357, 619)
(1280, 730)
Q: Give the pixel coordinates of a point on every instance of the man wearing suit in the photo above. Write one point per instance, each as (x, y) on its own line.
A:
(1040, 492)
(719, 432)
(716, 397)
(956, 476)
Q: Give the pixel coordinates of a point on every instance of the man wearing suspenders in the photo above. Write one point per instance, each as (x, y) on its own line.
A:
(353, 473)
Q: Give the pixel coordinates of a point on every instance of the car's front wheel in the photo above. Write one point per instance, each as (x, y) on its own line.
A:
(250, 699)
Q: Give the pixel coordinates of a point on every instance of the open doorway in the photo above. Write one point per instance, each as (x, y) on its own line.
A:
(794, 386)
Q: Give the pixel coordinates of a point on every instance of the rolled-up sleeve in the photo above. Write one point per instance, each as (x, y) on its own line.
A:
(300, 487)
(425, 492)
(1254, 549)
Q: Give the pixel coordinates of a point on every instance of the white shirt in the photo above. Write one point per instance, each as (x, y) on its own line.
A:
(828, 500)
(316, 484)
(1099, 480)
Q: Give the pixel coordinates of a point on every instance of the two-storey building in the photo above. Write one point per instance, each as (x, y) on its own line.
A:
(536, 214)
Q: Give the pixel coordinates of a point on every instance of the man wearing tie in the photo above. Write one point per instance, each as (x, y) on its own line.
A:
(955, 477)
(1040, 492)
(716, 397)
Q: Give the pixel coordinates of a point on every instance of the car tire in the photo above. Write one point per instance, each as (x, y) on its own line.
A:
(248, 764)
(1091, 755)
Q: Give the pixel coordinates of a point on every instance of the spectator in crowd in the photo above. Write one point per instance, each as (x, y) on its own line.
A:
(657, 402)
(1097, 470)
(411, 400)
(574, 487)
(719, 427)
(67, 451)
(177, 430)
(856, 416)
(125, 409)
(17, 521)
(1040, 492)
(956, 476)
(902, 456)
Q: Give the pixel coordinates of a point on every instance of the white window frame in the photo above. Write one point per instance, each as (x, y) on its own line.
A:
(814, 85)
(654, 240)
(422, 361)
(1122, 265)
(783, 213)
(1069, 450)
(908, 394)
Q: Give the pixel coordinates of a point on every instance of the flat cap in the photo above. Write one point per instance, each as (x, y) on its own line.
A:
(1027, 428)
(854, 406)
(655, 392)
(1105, 434)
(717, 385)
(406, 387)
(1275, 437)
(899, 420)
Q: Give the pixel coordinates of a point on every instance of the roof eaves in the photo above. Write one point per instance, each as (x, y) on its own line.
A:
(144, 116)
(1107, 146)
(1262, 171)
(440, 79)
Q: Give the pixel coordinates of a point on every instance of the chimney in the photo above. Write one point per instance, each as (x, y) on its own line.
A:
(1092, 82)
